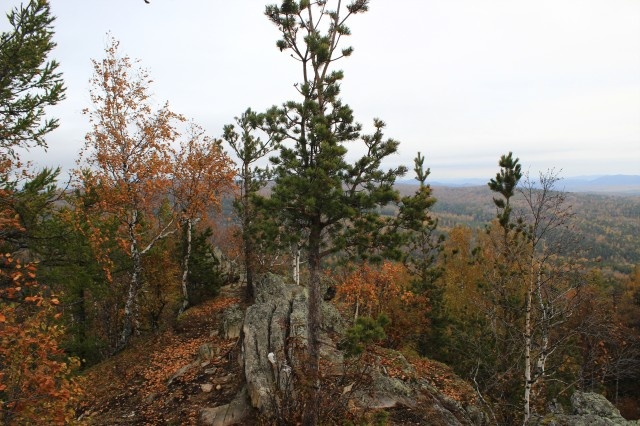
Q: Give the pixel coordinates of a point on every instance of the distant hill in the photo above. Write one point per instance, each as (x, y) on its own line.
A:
(621, 184)
(611, 184)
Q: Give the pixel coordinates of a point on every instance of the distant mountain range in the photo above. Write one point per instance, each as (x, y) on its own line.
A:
(611, 184)
(623, 184)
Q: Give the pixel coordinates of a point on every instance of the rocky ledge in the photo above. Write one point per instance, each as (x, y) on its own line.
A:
(274, 334)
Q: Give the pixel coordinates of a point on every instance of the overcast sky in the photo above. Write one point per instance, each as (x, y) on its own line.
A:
(463, 81)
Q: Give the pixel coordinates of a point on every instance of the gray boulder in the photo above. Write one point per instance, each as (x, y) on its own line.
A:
(587, 409)
(229, 414)
(415, 395)
(275, 338)
(231, 324)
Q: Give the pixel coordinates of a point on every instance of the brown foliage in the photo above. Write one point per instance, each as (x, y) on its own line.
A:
(129, 149)
(36, 385)
(129, 156)
(202, 174)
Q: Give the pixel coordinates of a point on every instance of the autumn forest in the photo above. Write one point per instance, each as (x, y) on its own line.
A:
(522, 291)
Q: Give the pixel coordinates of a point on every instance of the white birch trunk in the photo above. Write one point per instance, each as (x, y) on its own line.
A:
(130, 321)
(185, 267)
(528, 380)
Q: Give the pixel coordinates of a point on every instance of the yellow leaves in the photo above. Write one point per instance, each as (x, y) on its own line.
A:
(408, 297)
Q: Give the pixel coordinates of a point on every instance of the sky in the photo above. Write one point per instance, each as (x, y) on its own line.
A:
(462, 81)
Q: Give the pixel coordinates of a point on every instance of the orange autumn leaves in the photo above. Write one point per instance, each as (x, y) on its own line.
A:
(130, 163)
(202, 172)
(141, 182)
(35, 380)
(371, 290)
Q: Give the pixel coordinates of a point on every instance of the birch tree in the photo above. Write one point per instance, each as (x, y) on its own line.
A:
(202, 174)
(128, 152)
(536, 246)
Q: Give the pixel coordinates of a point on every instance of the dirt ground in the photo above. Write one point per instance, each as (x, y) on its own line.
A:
(162, 380)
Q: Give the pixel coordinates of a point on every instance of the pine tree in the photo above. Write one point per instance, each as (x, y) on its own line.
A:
(28, 81)
(505, 184)
(250, 148)
(35, 376)
(328, 202)
(419, 247)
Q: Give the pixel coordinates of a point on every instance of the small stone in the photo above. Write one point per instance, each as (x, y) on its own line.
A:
(206, 352)
(181, 372)
(207, 387)
(228, 378)
(218, 387)
(211, 370)
(150, 398)
(205, 363)
(348, 388)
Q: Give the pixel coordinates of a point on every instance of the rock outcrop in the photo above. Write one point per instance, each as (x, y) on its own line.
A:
(587, 409)
(274, 338)
(271, 325)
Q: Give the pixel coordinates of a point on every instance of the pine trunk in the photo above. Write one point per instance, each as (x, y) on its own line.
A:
(246, 235)
(313, 321)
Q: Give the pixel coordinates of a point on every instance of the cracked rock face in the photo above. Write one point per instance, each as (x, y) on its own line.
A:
(267, 330)
(275, 333)
(275, 336)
